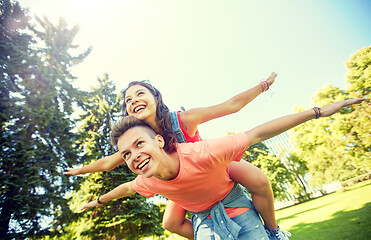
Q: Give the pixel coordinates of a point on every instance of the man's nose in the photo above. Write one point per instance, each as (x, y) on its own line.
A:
(137, 157)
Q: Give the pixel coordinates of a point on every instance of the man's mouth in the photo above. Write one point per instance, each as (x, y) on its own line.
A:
(143, 164)
(139, 108)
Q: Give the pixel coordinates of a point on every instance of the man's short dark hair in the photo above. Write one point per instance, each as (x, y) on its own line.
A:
(124, 124)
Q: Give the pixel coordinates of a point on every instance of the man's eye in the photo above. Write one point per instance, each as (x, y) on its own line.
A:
(140, 144)
(140, 93)
(125, 156)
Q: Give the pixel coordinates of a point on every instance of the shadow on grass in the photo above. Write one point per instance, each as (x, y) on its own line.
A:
(354, 224)
(350, 188)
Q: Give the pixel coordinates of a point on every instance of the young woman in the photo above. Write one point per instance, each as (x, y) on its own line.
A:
(144, 102)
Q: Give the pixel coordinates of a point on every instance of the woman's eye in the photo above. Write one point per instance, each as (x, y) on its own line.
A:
(128, 100)
(140, 144)
(140, 93)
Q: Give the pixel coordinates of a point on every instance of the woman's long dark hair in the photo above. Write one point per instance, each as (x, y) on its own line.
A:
(162, 113)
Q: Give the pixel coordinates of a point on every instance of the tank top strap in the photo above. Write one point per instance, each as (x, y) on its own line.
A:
(176, 127)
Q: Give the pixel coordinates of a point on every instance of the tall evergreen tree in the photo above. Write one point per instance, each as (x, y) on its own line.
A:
(14, 52)
(37, 138)
(129, 218)
(14, 46)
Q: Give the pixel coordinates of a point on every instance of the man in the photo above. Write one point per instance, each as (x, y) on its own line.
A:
(195, 175)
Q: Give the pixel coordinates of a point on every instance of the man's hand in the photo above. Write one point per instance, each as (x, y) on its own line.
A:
(330, 109)
(73, 171)
(91, 204)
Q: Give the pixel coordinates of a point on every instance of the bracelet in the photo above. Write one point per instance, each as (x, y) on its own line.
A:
(99, 201)
(317, 111)
(264, 85)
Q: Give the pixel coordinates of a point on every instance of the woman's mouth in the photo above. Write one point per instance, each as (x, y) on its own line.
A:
(139, 108)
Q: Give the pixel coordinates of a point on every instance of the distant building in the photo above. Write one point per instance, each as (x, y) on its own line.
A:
(281, 147)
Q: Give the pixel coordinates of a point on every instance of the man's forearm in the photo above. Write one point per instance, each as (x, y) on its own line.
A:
(124, 190)
(279, 125)
(103, 164)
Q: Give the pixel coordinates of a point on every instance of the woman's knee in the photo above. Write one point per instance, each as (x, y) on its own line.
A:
(168, 225)
(248, 175)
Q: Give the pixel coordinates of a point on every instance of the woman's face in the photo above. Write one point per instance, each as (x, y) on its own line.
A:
(140, 103)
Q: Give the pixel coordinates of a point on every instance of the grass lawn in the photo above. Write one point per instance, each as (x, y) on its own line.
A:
(345, 214)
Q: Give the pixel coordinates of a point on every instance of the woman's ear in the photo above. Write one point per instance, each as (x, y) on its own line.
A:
(160, 140)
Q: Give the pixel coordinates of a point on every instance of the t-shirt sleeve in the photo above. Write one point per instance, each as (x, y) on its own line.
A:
(229, 148)
(140, 186)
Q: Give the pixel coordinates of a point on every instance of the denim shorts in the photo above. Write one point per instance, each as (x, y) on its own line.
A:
(252, 228)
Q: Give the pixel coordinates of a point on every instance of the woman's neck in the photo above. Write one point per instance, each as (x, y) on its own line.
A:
(155, 125)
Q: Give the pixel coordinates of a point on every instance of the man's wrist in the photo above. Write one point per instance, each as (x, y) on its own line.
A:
(99, 201)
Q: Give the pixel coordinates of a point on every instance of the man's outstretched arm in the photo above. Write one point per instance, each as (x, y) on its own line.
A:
(280, 125)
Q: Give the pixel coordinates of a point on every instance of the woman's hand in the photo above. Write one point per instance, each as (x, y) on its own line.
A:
(271, 78)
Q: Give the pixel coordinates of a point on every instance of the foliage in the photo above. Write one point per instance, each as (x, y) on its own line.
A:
(36, 130)
(276, 171)
(359, 74)
(14, 45)
(338, 147)
(358, 123)
(298, 169)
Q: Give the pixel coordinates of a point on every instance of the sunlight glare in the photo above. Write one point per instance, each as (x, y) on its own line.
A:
(86, 10)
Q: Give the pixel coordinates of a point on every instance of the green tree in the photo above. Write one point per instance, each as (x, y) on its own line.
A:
(359, 73)
(338, 147)
(37, 138)
(320, 144)
(298, 185)
(276, 171)
(358, 123)
(129, 218)
(14, 46)
(14, 52)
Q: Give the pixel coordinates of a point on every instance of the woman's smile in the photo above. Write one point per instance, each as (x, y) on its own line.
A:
(140, 102)
(139, 108)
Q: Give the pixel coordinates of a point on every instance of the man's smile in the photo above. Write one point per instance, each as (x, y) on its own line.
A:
(143, 164)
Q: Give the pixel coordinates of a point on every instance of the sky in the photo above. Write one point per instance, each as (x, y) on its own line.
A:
(202, 52)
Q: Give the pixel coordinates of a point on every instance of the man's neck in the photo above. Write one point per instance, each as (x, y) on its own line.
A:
(170, 167)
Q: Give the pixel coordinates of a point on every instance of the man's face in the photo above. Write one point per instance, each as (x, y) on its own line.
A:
(141, 151)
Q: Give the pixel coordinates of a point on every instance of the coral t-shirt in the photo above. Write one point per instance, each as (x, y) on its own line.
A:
(203, 179)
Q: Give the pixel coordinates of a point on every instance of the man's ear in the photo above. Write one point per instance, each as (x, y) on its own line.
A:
(160, 140)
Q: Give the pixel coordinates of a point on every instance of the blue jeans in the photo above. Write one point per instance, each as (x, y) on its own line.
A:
(252, 228)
